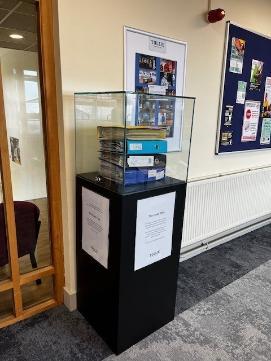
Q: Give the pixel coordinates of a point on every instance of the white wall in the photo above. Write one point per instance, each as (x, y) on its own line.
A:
(28, 178)
(91, 48)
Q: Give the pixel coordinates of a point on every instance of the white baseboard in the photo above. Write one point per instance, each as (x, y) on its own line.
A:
(70, 300)
(189, 252)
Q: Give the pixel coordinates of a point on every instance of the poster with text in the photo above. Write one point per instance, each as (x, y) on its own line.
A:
(154, 227)
(155, 64)
(256, 74)
(237, 55)
(266, 113)
(266, 131)
(95, 226)
(155, 75)
(250, 121)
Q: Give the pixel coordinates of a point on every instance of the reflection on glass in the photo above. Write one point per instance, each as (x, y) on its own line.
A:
(21, 84)
(37, 292)
(4, 256)
(6, 304)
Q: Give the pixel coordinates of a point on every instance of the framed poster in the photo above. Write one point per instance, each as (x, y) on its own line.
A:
(245, 104)
(155, 64)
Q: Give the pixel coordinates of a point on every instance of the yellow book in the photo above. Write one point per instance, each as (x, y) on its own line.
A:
(131, 132)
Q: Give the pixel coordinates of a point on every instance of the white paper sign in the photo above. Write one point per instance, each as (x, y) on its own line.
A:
(251, 121)
(157, 89)
(156, 44)
(95, 226)
(154, 226)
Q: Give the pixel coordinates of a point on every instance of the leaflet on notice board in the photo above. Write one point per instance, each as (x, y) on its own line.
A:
(250, 121)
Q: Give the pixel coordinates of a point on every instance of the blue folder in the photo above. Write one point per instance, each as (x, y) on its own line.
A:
(146, 146)
(144, 175)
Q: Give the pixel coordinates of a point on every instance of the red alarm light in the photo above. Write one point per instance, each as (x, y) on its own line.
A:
(216, 15)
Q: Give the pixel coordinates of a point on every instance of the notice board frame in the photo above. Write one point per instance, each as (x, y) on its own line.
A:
(229, 85)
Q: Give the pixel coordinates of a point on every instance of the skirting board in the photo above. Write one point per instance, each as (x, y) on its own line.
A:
(190, 252)
(70, 300)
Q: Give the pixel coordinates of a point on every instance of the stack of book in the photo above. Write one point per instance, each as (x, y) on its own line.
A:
(132, 155)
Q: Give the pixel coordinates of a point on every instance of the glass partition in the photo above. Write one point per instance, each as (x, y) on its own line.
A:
(4, 254)
(22, 99)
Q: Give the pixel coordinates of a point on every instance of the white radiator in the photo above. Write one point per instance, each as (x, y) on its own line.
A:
(222, 204)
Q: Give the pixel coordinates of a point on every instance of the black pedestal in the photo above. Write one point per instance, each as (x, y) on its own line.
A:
(124, 305)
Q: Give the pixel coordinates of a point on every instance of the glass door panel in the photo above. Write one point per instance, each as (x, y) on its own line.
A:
(34, 293)
(4, 254)
(6, 304)
(22, 100)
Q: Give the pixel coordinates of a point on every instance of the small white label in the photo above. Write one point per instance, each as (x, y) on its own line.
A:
(152, 173)
(135, 146)
(160, 175)
(157, 89)
(141, 161)
(156, 44)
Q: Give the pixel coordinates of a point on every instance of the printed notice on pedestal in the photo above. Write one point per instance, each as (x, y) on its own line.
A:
(154, 226)
(95, 226)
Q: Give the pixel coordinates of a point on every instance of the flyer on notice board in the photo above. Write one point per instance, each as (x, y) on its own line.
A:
(266, 131)
(266, 113)
(237, 55)
(154, 227)
(241, 92)
(256, 74)
(226, 138)
(95, 226)
(250, 121)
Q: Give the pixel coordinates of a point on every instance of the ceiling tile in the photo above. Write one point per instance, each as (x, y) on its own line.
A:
(8, 4)
(27, 9)
(21, 22)
(3, 13)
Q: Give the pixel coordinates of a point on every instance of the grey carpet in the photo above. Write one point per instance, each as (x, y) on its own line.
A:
(223, 313)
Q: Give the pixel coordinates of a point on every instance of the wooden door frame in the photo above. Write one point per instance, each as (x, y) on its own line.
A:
(51, 141)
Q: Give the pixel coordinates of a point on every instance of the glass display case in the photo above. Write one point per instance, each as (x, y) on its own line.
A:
(132, 138)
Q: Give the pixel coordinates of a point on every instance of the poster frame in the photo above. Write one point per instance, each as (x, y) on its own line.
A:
(129, 83)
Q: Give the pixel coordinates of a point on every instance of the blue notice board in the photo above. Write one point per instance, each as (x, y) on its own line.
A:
(245, 108)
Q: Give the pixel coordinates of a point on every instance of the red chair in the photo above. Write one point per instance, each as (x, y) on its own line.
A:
(27, 230)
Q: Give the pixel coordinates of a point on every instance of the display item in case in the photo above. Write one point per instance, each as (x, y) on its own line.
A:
(140, 139)
(133, 138)
(131, 132)
(135, 161)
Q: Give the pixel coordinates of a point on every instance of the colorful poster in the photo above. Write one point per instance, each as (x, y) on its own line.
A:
(155, 75)
(250, 121)
(266, 113)
(228, 115)
(241, 92)
(256, 74)
(226, 138)
(266, 131)
(15, 150)
(237, 55)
